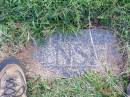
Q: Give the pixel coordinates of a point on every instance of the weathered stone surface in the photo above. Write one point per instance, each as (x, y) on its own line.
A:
(72, 55)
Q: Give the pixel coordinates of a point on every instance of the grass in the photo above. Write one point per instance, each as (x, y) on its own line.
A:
(89, 85)
(27, 20)
(22, 21)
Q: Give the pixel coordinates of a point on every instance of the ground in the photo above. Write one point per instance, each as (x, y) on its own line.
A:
(25, 21)
(42, 83)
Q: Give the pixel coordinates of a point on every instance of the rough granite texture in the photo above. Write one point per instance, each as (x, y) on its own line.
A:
(73, 55)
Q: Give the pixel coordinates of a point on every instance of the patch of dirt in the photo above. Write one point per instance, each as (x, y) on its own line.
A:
(33, 68)
(108, 57)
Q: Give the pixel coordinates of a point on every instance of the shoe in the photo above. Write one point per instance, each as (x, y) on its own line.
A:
(12, 78)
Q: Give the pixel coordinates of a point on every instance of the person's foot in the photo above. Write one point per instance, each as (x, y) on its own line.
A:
(12, 79)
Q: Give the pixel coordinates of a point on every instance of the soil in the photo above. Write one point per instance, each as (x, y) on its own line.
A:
(34, 68)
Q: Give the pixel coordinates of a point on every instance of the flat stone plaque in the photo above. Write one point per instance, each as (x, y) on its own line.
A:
(73, 55)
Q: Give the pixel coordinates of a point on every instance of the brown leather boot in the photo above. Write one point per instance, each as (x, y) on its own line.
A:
(12, 79)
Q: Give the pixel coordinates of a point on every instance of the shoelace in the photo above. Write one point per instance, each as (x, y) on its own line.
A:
(9, 89)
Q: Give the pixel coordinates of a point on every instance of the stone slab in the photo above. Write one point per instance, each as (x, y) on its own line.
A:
(73, 55)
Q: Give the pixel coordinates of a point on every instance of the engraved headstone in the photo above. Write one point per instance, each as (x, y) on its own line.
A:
(72, 55)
